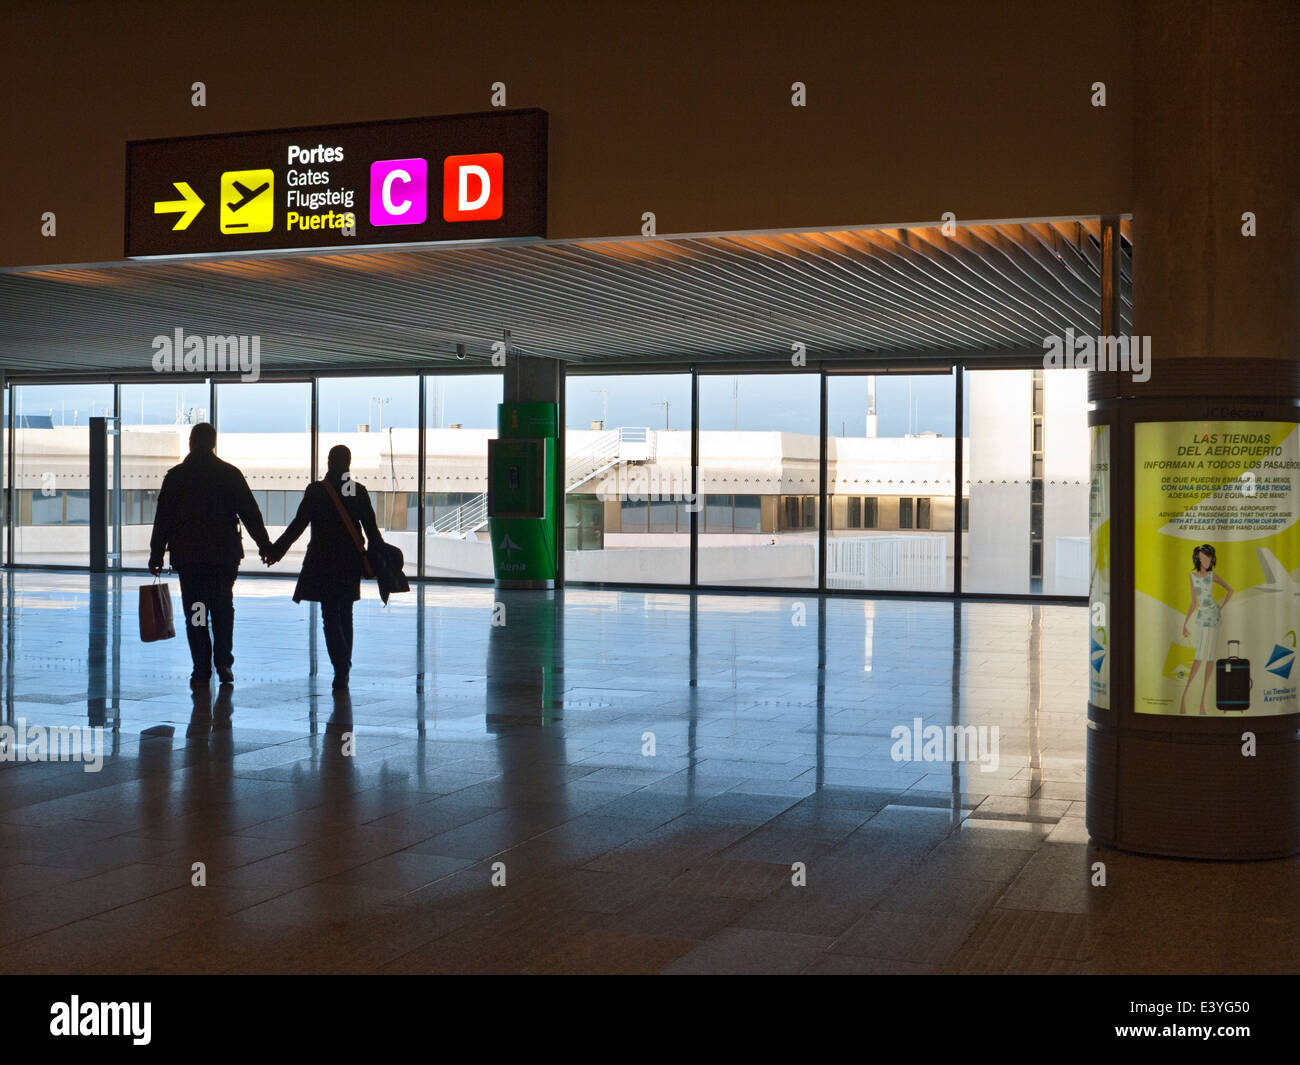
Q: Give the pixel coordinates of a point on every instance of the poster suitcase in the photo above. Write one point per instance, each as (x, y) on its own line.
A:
(1232, 680)
(156, 613)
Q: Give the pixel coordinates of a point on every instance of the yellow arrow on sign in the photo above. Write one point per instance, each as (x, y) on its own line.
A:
(189, 205)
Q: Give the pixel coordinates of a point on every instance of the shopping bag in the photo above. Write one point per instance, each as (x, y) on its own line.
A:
(1232, 680)
(1178, 662)
(156, 613)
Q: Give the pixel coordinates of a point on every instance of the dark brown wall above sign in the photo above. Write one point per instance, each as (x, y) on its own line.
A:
(682, 109)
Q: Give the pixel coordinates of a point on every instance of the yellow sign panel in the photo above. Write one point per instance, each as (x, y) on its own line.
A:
(247, 201)
(1099, 581)
(1216, 559)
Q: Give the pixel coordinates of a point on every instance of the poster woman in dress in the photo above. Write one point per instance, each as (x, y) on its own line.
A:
(1202, 580)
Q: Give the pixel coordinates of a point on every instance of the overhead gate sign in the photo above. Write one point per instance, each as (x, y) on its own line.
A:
(407, 181)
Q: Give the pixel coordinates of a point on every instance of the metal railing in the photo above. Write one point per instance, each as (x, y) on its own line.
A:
(599, 455)
(917, 562)
(631, 443)
(470, 516)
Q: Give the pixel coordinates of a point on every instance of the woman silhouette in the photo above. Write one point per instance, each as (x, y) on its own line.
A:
(1202, 581)
(333, 567)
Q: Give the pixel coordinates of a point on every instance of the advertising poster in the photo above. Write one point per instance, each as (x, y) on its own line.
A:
(1216, 547)
(1099, 580)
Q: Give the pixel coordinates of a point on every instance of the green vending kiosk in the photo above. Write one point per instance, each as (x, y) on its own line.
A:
(524, 503)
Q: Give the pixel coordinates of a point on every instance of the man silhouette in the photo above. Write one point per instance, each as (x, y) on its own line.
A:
(200, 506)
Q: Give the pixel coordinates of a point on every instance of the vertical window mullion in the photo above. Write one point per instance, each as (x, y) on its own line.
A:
(821, 513)
(695, 477)
(959, 425)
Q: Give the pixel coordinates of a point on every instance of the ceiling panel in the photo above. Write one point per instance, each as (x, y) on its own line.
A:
(894, 293)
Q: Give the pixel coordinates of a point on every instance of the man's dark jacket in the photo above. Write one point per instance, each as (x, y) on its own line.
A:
(200, 506)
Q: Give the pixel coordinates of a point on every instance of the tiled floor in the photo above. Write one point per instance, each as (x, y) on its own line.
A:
(522, 753)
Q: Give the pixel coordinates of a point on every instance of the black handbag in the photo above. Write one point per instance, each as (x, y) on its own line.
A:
(386, 563)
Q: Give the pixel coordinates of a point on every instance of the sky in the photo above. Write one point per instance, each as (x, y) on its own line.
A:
(787, 402)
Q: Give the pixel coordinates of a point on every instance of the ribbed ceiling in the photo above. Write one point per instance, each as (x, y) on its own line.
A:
(904, 294)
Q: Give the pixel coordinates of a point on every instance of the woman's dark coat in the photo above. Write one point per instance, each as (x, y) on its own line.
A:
(332, 566)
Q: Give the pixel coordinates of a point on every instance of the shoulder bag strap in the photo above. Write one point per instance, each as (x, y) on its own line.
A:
(352, 529)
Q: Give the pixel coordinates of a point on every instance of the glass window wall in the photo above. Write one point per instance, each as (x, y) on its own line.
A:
(51, 491)
(627, 512)
(891, 496)
(264, 428)
(1027, 467)
(460, 417)
(890, 458)
(759, 475)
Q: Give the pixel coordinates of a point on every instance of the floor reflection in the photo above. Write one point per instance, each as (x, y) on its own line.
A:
(642, 772)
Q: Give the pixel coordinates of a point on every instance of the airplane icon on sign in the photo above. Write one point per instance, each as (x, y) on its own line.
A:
(246, 193)
(247, 201)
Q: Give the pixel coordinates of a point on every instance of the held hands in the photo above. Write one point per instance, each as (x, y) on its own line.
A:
(268, 555)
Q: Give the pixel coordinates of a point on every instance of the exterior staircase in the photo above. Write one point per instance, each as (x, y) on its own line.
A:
(611, 448)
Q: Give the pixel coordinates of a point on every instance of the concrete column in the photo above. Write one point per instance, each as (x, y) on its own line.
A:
(98, 448)
(538, 379)
(1217, 117)
(532, 379)
(4, 496)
